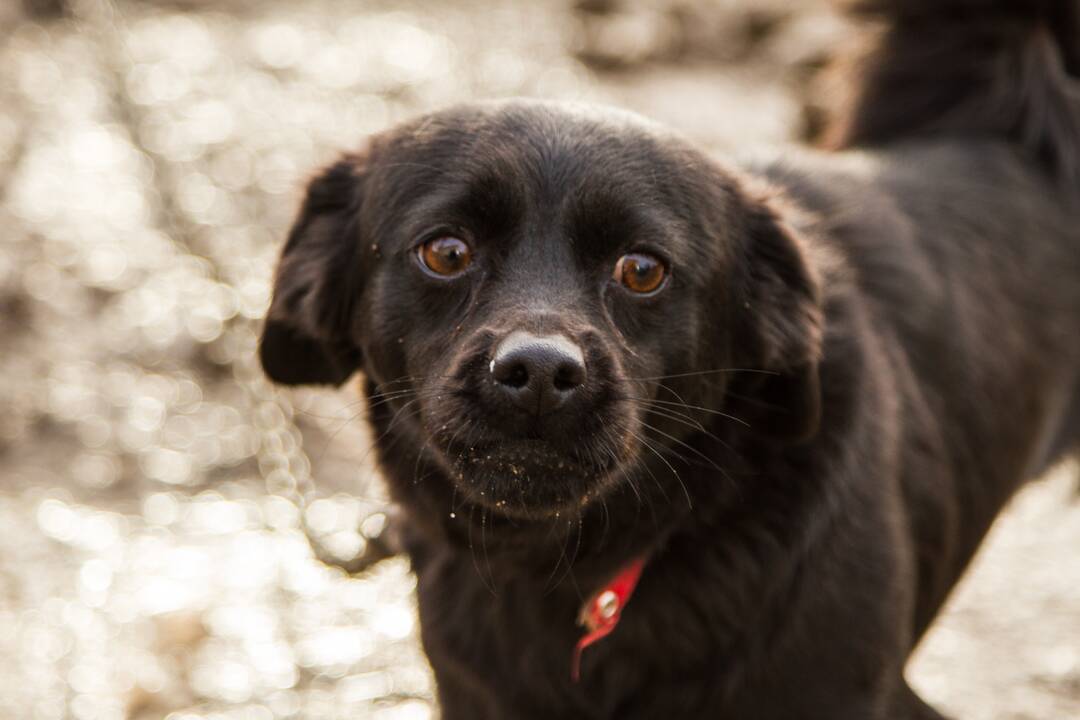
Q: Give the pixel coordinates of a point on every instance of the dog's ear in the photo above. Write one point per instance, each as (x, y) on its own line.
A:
(310, 332)
(779, 314)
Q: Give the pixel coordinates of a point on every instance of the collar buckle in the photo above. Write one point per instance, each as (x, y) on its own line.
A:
(602, 611)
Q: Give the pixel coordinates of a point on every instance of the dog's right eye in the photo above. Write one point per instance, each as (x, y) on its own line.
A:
(445, 257)
(641, 273)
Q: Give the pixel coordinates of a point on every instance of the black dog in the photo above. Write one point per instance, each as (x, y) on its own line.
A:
(746, 425)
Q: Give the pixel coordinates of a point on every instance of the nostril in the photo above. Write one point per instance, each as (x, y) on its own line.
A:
(568, 376)
(512, 372)
(516, 376)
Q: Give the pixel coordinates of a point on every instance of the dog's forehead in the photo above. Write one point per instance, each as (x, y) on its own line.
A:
(505, 161)
(534, 145)
(535, 123)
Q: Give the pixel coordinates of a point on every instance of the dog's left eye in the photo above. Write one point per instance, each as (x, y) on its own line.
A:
(640, 272)
(445, 256)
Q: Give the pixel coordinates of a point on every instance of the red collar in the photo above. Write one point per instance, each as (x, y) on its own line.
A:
(601, 612)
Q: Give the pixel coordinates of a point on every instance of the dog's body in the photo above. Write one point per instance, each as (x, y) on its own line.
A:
(804, 431)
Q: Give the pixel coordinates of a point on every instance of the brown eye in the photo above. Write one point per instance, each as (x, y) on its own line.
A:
(445, 256)
(640, 272)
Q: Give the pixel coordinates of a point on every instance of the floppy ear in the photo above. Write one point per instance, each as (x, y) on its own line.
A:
(780, 316)
(309, 336)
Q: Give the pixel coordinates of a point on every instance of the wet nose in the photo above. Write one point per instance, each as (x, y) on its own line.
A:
(537, 374)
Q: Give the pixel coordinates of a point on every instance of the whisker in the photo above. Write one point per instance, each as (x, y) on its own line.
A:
(674, 472)
(706, 372)
(393, 421)
(693, 424)
(684, 444)
(607, 521)
(548, 585)
(688, 406)
(702, 455)
(569, 561)
(352, 416)
(472, 552)
(673, 415)
(483, 546)
(672, 391)
(688, 421)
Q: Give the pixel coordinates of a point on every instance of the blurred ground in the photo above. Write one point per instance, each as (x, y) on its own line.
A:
(151, 561)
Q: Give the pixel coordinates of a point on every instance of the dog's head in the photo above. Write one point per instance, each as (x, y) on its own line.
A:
(546, 296)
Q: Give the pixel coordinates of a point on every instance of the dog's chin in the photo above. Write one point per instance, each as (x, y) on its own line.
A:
(529, 479)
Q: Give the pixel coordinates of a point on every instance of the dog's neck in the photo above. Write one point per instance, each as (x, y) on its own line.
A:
(596, 540)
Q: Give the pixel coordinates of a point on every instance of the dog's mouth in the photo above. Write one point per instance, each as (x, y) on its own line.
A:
(527, 477)
(554, 451)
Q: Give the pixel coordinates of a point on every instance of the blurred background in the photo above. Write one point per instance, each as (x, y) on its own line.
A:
(153, 561)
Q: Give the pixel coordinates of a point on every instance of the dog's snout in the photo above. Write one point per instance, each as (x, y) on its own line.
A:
(538, 374)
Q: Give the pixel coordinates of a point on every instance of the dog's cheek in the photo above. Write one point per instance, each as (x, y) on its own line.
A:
(693, 356)
(389, 326)
(383, 364)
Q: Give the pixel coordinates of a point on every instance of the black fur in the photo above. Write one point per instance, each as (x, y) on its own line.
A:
(995, 68)
(856, 360)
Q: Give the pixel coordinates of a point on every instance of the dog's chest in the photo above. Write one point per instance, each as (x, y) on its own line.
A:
(513, 642)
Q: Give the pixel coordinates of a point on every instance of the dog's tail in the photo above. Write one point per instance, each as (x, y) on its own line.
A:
(1005, 68)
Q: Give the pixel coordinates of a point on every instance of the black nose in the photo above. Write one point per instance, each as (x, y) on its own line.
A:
(537, 374)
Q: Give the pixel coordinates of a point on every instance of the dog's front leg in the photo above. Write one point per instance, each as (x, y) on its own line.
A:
(459, 701)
